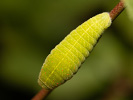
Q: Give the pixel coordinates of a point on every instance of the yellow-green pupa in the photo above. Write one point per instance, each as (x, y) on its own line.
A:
(65, 59)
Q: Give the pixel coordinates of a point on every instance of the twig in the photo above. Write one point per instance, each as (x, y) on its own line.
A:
(41, 94)
(117, 10)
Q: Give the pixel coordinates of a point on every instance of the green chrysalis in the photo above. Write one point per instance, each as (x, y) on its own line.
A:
(65, 59)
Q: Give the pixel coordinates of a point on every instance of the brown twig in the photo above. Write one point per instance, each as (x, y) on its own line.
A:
(41, 94)
(117, 10)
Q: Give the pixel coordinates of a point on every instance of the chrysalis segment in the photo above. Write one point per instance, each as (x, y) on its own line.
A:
(65, 59)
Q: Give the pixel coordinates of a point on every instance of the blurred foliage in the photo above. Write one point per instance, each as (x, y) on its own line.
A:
(129, 4)
(29, 29)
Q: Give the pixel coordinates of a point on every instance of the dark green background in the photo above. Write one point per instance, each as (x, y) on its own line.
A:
(29, 29)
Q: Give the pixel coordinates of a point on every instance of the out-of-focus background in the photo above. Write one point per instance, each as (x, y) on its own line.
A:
(29, 29)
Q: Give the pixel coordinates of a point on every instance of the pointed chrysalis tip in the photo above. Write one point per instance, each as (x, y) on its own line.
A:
(109, 18)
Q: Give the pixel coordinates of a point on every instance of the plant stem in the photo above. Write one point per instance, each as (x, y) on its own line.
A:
(41, 94)
(117, 10)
